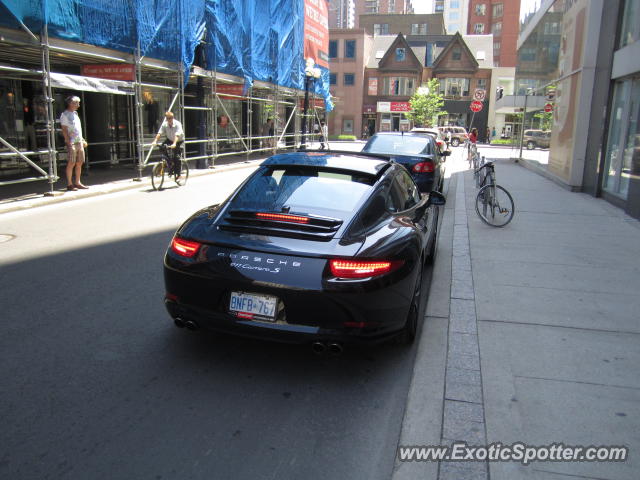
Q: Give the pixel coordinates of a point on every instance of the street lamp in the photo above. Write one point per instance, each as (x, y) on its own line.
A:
(311, 73)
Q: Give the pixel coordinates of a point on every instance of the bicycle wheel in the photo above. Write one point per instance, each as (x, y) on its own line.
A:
(157, 175)
(182, 177)
(494, 205)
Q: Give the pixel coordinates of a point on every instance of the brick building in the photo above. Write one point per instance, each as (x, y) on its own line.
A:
(500, 18)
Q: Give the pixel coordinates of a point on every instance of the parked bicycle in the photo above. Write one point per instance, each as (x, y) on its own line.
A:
(161, 169)
(494, 203)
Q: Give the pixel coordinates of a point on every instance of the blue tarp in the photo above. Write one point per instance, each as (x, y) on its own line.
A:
(251, 39)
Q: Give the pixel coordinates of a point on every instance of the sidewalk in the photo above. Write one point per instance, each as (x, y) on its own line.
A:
(101, 180)
(537, 340)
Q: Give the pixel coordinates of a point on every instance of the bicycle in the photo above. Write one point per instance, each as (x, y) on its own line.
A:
(161, 169)
(494, 204)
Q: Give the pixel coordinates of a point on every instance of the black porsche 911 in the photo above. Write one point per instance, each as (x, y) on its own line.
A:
(324, 248)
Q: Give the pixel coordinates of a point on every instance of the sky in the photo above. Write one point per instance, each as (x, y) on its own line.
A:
(422, 6)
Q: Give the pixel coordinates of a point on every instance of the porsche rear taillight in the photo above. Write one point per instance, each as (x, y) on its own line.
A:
(281, 217)
(184, 248)
(362, 268)
(423, 167)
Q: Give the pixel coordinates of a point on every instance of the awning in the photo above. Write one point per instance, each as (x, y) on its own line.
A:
(91, 84)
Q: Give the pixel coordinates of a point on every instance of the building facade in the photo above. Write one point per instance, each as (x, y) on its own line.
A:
(456, 15)
(499, 18)
(578, 78)
(382, 7)
(342, 14)
(393, 24)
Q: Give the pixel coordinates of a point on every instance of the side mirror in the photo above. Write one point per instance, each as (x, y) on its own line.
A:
(445, 153)
(436, 198)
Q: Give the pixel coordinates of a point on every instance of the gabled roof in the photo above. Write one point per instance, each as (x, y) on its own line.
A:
(400, 42)
(457, 40)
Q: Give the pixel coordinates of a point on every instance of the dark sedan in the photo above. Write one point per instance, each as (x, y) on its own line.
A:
(417, 152)
(323, 248)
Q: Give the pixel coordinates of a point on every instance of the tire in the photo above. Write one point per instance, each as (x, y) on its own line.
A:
(494, 205)
(408, 333)
(184, 173)
(531, 145)
(157, 175)
(455, 142)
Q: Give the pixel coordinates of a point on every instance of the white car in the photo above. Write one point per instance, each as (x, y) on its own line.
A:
(440, 140)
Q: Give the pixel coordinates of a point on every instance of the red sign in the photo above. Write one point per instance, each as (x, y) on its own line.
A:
(548, 107)
(319, 103)
(400, 107)
(316, 31)
(110, 71)
(230, 88)
(476, 106)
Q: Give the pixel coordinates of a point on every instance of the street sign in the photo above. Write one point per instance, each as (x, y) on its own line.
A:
(548, 107)
(479, 94)
(475, 106)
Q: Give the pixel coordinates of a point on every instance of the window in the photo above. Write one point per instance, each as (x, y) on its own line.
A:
(454, 15)
(401, 86)
(381, 29)
(456, 53)
(349, 49)
(478, 28)
(496, 28)
(454, 4)
(348, 79)
(481, 9)
(496, 49)
(333, 48)
(455, 87)
(403, 194)
(481, 83)
(371, 6)
(552, 28)
(392, 6)
(480, 56)
(630, 31)
(528, 54)
(418, 29)
(332, 79)
(400, 55)
(453, 27)
(497, 10)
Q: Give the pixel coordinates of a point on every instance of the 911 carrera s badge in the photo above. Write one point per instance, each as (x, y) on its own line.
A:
(258, 263)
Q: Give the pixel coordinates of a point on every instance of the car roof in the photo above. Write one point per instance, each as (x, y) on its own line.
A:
(355, 162)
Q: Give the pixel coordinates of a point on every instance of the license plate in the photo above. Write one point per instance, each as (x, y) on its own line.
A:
(251, 306)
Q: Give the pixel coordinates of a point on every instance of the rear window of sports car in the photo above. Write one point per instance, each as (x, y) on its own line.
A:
(304, 190)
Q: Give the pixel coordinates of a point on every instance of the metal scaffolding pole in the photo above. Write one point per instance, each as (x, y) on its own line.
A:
(138, 109)
(51, 122)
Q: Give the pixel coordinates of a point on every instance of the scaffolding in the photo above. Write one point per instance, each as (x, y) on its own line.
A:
(242, 134)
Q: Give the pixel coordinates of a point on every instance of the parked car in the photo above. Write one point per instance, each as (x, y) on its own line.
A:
(417, 152)
(458, 134)
(536, 138)
(313, 247)
(441, 141)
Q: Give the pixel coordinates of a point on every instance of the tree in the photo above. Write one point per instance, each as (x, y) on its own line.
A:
(426, 104)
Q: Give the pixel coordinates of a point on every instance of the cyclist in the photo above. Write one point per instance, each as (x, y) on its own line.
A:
(172, 130)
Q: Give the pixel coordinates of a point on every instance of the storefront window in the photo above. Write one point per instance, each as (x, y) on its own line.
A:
(455, 87)
(624, 137)
(631, 26)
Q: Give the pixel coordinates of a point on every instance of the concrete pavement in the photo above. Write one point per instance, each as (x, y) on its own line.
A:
(532, 332)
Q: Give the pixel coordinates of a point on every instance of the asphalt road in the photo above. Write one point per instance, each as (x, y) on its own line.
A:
(99, 384)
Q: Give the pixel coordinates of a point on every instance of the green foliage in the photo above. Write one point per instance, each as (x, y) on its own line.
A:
(427, 105)
(504, 141)
(546, 120)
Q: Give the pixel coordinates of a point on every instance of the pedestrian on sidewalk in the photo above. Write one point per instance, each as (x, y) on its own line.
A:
(473, 136)
(174, 136)
(324, 133)
(72, 132)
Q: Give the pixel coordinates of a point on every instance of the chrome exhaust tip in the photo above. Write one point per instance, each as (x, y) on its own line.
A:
(318, 348)
(335, 348)
(191, 325)
(178, 322)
